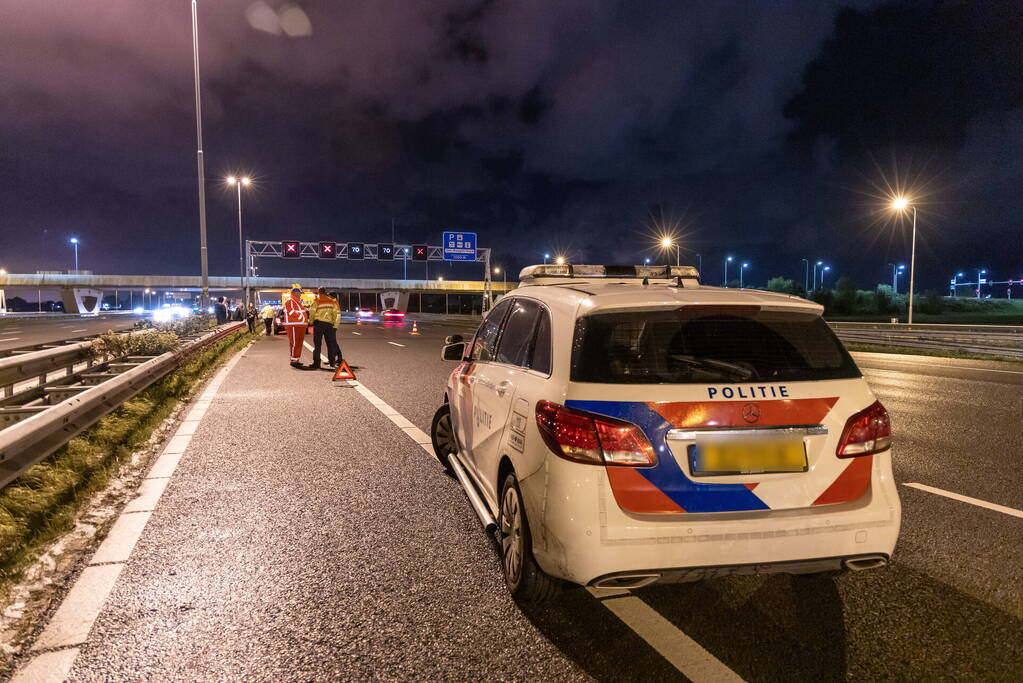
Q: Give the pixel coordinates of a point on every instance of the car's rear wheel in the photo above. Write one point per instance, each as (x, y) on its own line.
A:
(523, 576)
(442, 434)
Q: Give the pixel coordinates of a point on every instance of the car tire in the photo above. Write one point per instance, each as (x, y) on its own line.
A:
(525, 580)
(442, 434)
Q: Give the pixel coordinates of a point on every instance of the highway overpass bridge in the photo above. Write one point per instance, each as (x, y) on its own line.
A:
(85, 292)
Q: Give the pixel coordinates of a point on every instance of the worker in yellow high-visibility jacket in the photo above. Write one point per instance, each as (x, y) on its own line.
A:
(325, 314)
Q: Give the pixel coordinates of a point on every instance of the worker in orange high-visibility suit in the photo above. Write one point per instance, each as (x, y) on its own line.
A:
(295, 323)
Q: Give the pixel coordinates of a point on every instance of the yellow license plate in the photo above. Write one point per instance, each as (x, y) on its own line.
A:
(747, 457)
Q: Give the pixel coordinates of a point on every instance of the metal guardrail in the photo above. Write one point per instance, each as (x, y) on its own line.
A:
(990, 340)
(29, 441)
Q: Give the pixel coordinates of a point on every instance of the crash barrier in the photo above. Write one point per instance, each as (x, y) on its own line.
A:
(36, 431)
(990, 340)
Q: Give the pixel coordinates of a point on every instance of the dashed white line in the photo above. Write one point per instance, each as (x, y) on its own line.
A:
(967, 499)
(69, 628)
(357, 333)
(396, 344)
(81, 330)
(684, 653)
(7, 339)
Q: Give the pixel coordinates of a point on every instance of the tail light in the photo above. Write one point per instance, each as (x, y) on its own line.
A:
(592, 439)
(867, 432)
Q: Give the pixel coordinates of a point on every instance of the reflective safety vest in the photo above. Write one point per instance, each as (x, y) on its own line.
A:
(294, 313)
(267, 313)
(325, 309)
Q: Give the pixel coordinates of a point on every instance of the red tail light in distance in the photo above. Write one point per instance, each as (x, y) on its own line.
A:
(593, 439)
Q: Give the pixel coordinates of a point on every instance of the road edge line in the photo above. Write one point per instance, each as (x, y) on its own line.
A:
(1013, 512)
(62, 633)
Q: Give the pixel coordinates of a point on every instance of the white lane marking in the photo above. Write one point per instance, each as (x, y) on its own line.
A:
(684, 653)
(966, 499)
(397, 344)
(10, 339)
(73, 620)
(81, 330)
(77, 612)
(323, 358)
(49, 667)
(357, 333)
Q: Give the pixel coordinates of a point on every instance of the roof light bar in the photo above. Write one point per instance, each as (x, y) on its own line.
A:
(568, 270)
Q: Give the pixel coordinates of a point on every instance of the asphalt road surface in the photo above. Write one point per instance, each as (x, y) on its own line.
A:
(305, 536)
(18, 332)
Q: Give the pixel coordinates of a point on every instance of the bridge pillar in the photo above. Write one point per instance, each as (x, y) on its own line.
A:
(397, 300)
(81, 300)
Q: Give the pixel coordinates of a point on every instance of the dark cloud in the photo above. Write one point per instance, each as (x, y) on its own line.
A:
(543, 126)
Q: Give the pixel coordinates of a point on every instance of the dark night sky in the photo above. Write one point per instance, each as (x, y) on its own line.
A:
(766, 130)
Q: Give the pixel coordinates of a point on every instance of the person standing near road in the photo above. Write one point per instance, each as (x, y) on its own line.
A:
(250, 317)
(267, 314)
(295, 323)
(335, 357)
(220, 310)
(325, 315)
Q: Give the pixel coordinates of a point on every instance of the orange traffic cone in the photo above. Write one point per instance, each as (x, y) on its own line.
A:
(415, 328)
(343, 371)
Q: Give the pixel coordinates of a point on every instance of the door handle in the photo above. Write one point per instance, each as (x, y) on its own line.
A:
(502, 387)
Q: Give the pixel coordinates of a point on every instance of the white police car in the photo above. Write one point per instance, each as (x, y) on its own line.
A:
(622, 426)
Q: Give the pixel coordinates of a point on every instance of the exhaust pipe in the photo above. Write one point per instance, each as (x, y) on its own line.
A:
(474, 497)
(626, 581)
(858, 564)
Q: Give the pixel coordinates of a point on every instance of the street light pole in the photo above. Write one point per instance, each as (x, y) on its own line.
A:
(203, 262)
(824, 270)
(727, 261)
(912, 269)
(74, 242)
(238, 182)
(742, 270)
(806, 274)
(979, 273)
(815, 267)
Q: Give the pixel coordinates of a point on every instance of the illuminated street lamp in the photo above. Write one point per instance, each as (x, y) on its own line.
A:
(560, 260)
(815, 267)
(546, 257)
(646, 261)
(668, 243)
(74, 242)
(498, 270)
(901, 204)
(238, 182)
(728, 260)
(824, 270)
(741, 271)
(896, 272)
(980, 274)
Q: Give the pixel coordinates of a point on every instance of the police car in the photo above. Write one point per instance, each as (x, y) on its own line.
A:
(625, 425)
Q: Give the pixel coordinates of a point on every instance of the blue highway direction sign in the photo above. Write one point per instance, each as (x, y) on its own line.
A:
(459, 246)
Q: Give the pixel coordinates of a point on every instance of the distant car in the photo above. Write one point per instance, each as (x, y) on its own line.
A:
(393, 314)
(622, 426)
(363, 312)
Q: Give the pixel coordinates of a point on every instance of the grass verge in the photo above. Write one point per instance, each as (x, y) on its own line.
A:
(940, 353)
(44, 502)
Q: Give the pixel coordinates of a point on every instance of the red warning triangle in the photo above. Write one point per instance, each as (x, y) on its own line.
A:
(343, 371)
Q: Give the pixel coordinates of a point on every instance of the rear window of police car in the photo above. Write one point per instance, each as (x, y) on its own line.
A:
(699, 344)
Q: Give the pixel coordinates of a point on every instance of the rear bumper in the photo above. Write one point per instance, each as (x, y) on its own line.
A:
(581, 535)
(814, 565)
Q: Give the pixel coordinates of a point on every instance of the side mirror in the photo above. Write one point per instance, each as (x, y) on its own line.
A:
(453, 339)
(453, 351)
